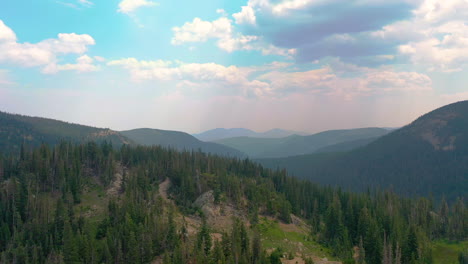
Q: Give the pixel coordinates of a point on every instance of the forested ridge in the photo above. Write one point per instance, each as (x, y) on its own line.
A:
(17, 129)
(427, 157)
(43, 215)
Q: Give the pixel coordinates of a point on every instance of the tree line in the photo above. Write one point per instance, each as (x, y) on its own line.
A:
(42, 218)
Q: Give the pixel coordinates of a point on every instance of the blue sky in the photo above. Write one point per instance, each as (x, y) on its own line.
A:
(308, 65)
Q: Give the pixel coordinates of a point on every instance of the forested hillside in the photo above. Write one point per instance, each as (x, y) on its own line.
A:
(94, 203)
(298, 145)
(178, 140)
(427, 157)
(18, 130)
(33, 131)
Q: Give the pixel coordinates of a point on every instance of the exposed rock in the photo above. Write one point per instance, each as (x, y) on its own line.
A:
(219, 216)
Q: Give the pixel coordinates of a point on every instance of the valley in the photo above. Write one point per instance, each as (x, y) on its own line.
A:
(152, 197)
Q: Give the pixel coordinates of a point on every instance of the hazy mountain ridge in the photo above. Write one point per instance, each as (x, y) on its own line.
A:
(224, 133)
(428, 156)
(298, 145)
(18, 129)
(178, 140)
(33, 131)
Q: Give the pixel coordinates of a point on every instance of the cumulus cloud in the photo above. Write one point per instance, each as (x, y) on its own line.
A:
(200, 31)
(129, 6)
(306, 20)
(83, 64)
(431, 33)
(193, 74)
(6, 34)
(245, 16)
(44, 53)
(278, 79)
(436, 36)
(228, 40)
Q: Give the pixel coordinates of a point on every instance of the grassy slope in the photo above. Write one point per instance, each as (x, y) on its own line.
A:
(275, 235)
(447, 252)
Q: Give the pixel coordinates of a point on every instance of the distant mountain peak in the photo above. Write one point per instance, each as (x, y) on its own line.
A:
(224, 133)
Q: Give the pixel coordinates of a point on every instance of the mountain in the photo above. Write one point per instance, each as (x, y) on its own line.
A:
(89, 203)
(298, 145)
(279, 133)
(428, 156)
(220, 133)
(178, 140)
(33, 131)
(347, 145)
(223, 133)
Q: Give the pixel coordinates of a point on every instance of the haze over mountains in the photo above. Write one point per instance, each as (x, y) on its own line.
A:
(178, 140)
(429, 156)
(222, 133)
(297, 145)
(33, 131)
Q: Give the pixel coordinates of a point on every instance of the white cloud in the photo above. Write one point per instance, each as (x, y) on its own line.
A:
(230, 44)
(278, 79)
(77, 4)
(436, 11)
(448, 55)
(44, 53)
(200, 31)
(85, 2)
(6, 34)
(327, 80)
(222, 29)
(245, 16)
(290, 5)
(99, 58)
(435, 37)
(83, 64)
(193, 74)
(129, 6)
(221, 12)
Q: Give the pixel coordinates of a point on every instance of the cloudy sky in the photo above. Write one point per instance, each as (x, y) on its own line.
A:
(306, 65)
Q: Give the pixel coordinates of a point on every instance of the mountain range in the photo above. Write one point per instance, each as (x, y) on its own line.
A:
(223, 133)
(427, 157)
(88, 203)
(178, 140)
(16, 130)
(294, 145)
(33, 131)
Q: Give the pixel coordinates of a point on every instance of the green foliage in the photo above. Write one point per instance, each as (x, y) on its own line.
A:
(18, 130)
(47, 197)
(427, 157)
(178, 140)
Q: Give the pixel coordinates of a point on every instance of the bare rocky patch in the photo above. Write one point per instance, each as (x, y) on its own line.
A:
(116, 185)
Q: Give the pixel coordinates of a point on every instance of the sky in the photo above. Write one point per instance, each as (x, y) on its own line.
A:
(304, 65)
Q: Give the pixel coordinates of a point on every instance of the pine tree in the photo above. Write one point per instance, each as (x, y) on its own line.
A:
(361, 259)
